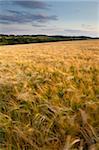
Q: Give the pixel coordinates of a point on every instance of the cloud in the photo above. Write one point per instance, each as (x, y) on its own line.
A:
(32, 4)
(4, 22)
(44, 18)
(73, 31)
(80, 32)
(38, 25)
(25, 17)
(87, 27)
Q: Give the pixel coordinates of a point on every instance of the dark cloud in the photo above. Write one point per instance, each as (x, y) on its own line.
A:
(43, 18)
(5, 3)
(38, 25)
(4, 22)
(32, 4)
(24, 17)
(18, 16)
(14, 11)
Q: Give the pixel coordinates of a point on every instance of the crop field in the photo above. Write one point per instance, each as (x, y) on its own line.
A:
(49, 96)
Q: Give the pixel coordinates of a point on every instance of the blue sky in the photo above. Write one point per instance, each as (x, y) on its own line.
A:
(54, 17)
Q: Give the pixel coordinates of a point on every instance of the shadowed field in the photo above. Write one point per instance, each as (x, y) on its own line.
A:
(49, 96)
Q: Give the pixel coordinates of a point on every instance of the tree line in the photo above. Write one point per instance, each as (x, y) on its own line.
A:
(25, 39)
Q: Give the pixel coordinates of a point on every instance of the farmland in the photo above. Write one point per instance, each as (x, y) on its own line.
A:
(49, 96)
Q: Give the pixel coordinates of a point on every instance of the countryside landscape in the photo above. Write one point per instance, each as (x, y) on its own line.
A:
(49, 96)
(49, 75)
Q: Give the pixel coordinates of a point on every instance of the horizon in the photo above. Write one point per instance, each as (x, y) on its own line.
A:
(44, 17)
(48, 35)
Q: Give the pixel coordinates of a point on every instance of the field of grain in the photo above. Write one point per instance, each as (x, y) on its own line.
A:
(49, 96)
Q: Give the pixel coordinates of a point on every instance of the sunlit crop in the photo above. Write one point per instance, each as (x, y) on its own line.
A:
(49, 96)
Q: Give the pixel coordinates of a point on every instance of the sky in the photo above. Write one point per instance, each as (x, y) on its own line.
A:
(50, 17)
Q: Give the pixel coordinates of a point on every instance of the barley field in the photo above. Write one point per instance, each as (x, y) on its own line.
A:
(49, 96)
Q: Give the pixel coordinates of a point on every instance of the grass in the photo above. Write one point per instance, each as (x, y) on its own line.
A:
(49, 96)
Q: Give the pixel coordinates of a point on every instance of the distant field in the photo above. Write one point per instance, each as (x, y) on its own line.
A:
(49, 96)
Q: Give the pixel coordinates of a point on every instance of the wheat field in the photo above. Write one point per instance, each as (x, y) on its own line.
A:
(49, 96)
